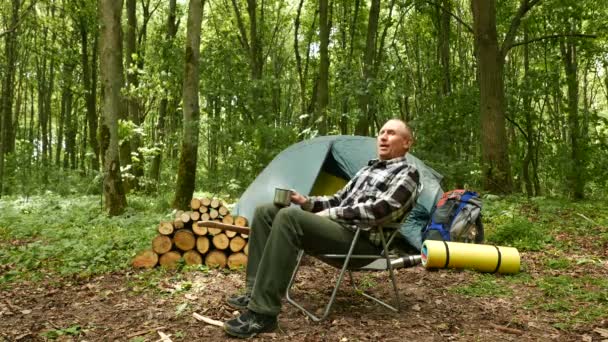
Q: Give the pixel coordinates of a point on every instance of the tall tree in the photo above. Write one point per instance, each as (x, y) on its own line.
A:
(323, 87)
(89, 78)
(186, 174)
(496, 168)
(6, 102)
(576, 173)
(164, 102)
(133, 107)
(112, 81)
(362, 127)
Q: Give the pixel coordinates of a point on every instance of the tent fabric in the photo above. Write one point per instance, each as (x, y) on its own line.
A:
(321, 163)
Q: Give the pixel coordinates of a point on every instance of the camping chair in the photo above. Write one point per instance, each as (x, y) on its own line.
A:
(383, 261)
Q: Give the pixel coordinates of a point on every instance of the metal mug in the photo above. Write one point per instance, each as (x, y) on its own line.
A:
(282, 197)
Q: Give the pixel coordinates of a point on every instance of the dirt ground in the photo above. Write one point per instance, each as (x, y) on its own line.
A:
(122, 307)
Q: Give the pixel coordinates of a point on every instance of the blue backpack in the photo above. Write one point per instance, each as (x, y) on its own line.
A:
(456, 217)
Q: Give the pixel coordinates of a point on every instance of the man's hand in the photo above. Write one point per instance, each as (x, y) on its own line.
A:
(297, 198)
(323, 213)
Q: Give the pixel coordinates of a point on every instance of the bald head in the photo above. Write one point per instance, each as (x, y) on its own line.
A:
(394, 139)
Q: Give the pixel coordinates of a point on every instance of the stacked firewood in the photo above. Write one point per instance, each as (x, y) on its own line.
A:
(184, 239)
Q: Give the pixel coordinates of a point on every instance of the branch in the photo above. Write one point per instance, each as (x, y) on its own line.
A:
(518, 126)
(457, 18)
(19, 21)
(243, 33)
(524, 7)
(554, 36)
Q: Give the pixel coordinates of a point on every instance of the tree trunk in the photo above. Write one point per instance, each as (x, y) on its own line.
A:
(89, 81)
(164, 102)
(133, 106)
(444, 46)
(576, 172)
(496, 169)
(112, 80)
(362, 127)
(186, 173)
(8, 87)
(323, 85)
(527, 107)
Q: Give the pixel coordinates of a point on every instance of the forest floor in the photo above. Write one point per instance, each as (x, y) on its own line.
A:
(561, 293)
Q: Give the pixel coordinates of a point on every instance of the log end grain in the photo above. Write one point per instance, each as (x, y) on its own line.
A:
(161, 244)
(170, 259)
(192, 257)
(237, 260)
(216, 258)
(184, 240)
(145, 259)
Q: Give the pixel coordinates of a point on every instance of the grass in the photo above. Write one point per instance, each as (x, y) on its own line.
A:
(562, 246)
(564, 242)
(71, 236)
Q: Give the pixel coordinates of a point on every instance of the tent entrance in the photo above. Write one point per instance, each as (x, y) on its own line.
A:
(330, 179)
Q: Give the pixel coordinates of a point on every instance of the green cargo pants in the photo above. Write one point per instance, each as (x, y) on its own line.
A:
(276, 237)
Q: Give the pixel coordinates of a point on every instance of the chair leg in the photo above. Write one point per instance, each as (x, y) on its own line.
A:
(397, 307)
(335, 290)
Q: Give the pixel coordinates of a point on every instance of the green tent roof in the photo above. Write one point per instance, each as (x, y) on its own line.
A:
(298, 166)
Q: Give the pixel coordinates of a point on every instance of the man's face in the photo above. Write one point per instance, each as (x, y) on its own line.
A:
(393, 140)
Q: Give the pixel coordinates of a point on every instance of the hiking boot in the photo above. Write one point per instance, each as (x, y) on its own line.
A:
(250, 324)
(239, 302)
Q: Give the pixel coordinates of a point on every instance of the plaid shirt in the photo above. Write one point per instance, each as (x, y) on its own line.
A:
(380, 193)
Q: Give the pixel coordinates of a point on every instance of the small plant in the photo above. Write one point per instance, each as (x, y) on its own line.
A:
(521, 234)
(74, 330)
(486, 285)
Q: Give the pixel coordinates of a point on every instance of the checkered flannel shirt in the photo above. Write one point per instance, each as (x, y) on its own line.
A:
(379, 194)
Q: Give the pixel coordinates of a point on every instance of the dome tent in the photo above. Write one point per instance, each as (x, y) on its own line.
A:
(323, 165)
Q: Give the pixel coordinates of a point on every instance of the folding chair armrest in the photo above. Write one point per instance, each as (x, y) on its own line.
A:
(224, 226)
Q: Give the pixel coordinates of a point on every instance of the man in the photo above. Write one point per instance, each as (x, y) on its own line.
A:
(379, 193)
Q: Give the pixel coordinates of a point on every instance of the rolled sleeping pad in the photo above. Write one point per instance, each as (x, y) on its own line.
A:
(483, 258)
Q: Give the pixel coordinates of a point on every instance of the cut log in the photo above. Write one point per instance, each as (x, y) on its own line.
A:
(145, 259)
(214, 231)
(169, 259)
(246, 249)
(195, 215)
(213, 214)
(192, 257)
(178, 224)
(205, 217)
(205, 201)
(222, 210)
(237, 260)
(203, 209)
(184, 240)
(245, 236)
(161, 244)
(199, 230)
(228, 219)
(202, 244)
(185, 217)
(216, 258)
(221, 241)
(237, 243)
(215, 203)
(178, 214)
(195, 203)
(240, 221)
(165, 227)
(230, 233)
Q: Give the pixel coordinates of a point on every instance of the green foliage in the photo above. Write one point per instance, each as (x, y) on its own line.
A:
(484, 285)
(74, 330)
(577, 300)
(520, 233)
(71, 236)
